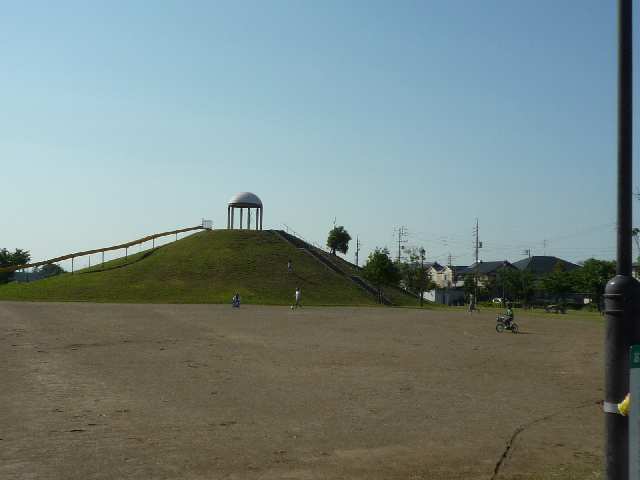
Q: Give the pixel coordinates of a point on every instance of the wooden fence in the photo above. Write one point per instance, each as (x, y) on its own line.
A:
(71, 256)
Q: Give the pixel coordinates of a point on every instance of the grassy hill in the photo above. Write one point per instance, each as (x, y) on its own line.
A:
(206, 267)
(395, 294)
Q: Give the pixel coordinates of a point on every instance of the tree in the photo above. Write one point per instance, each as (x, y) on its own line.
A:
(559, 283)
(518, 284)
(49, 270)
(413, 273)
(338, 240)
(380, 269)
(528, 289)
(469, 286)
(592, 278)
(8, 259)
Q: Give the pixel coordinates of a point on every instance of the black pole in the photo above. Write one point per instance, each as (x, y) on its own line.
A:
(621, 291)
(625, 136)
(422, 277)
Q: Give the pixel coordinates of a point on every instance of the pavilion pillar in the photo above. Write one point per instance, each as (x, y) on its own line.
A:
(228, 217)
(261, 215)
(249, 218)
(257, 217)
(241, 209)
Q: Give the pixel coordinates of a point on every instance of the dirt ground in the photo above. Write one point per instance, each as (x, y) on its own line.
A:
(208, 392)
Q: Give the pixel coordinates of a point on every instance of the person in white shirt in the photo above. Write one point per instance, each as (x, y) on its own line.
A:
(297, 304)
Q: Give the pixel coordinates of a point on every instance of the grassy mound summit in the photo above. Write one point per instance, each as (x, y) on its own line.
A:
(206, 267)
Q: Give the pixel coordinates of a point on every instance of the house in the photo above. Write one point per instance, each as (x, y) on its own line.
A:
(540, 265)
(451, 276)
(433, 271)
(448, 282)
(487, 271)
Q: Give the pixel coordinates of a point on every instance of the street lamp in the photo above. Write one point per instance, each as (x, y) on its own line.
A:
(621, 293)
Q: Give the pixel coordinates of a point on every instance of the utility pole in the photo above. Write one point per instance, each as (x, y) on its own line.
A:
(621, 293)
(422, 275)
(544, 247)
(527, 252)
(357, 249)
(449, 260)
(477, 247)
(402, 238)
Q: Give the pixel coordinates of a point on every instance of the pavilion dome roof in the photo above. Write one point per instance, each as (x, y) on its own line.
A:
(245, 199)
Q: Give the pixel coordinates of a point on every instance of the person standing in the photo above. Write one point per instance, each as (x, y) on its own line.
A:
(289, 266)
(297, 304)
(472, 303)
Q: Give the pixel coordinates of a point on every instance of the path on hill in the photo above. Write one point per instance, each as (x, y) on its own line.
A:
(206, 391)
(341, 267)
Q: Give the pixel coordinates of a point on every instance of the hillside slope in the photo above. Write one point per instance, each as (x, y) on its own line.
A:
(206, 267)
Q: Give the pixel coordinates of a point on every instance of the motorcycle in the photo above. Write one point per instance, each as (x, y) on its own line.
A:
(502, 324)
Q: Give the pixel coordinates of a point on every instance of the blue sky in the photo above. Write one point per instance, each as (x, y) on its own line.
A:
(121, 119)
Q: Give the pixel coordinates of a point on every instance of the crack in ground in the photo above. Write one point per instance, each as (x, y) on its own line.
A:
(522, 428)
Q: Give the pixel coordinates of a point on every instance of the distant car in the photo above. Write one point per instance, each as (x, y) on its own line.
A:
(555, 309)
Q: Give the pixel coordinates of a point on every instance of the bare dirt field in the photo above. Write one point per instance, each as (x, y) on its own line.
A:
(208, 392)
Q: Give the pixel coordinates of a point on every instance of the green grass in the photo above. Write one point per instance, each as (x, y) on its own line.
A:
(206, 267)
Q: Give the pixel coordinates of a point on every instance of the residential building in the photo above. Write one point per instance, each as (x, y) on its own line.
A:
(540, 265)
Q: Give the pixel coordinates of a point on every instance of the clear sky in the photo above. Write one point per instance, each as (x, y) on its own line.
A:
(122, 119)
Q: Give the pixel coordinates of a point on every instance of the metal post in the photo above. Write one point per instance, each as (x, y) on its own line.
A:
(422, 253)
(153, 242)
(241, 210)
(621, 293)
(71, 265)
(126, 252)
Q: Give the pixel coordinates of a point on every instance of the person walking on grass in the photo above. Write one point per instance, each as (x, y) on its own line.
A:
(297, 304)
(289, 266)
(472, 303)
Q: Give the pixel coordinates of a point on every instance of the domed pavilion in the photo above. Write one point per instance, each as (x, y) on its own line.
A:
(244, 201)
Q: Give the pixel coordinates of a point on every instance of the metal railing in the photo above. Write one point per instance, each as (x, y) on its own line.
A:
(125, 246)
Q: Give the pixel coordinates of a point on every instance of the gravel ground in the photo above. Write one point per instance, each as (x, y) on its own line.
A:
(105, 391)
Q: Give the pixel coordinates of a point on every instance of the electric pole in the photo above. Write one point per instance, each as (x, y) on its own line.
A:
(422, 275)
(402, 238)
(357, 249)
(449, 260)
(478, 246)
(527, 252)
